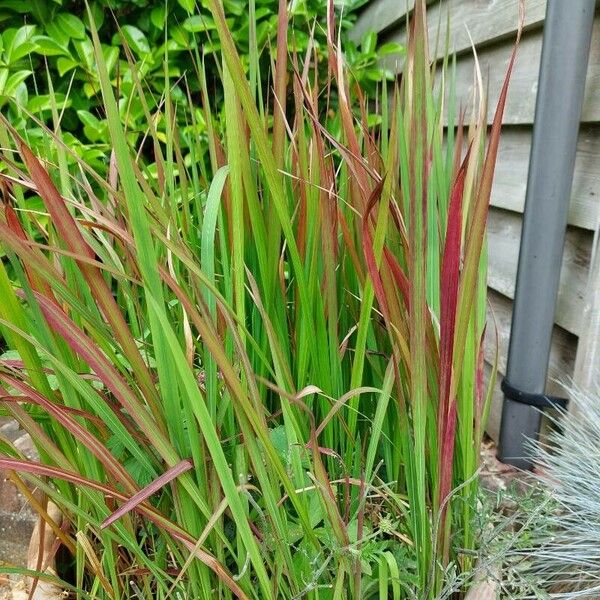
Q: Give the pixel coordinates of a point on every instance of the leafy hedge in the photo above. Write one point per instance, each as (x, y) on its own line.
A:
(47, 65)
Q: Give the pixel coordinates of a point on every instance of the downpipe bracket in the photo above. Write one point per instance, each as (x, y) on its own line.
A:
(537, 400)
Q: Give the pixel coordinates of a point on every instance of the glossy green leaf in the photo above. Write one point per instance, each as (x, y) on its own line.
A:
(369, 42)
(198, 23)
(64, 65)
(94, 129)
(390, 48)
(14, 81)
(44, 102)
(70, 25)
(97, 8)
(111, 57)
(47, 46)
(4, 73)
(157, 17)
(188, 5)
(136, 40)
(85, 51)
(18, 42)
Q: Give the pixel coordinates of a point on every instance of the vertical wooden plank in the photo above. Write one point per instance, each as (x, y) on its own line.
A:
(587, 362)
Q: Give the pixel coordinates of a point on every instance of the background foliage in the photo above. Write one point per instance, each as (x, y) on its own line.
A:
(46, 49)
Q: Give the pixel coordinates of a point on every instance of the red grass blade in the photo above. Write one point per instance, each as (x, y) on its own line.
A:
(69, 231)
(105, 371)
(450, 274)
(37, 282)
(80, 432)
(149, 490)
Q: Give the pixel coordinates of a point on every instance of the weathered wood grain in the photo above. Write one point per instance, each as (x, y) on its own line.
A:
(482, 22)
(510, 180)
(587, 363)
(520, 104)
(492, 37)
(485, 21)
(504, 232)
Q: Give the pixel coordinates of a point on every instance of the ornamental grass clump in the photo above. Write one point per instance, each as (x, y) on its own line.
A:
(557, 554)
(257, 372)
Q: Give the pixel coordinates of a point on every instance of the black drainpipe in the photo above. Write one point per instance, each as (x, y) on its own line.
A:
(565, 50)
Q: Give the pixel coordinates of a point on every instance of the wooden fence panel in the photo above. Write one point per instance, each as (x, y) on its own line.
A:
(504, 234)
(510, 181)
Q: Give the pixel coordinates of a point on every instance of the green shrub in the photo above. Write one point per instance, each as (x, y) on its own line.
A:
(47, 61)
(259, 373)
